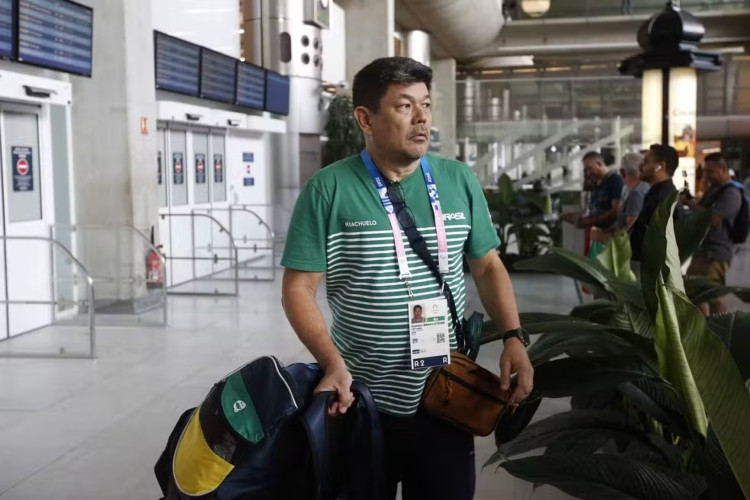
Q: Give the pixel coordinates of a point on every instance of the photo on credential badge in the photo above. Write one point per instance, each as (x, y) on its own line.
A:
(417, 313)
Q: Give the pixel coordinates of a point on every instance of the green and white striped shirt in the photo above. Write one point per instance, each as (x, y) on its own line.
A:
(339, 227)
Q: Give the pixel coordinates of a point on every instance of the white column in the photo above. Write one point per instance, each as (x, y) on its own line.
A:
(444, 104)
(370, 26)
(683, 103)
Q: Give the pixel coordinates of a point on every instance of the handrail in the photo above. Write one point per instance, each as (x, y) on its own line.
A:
(89, 296)
(269, 233)
(233, 246)
(139, 235)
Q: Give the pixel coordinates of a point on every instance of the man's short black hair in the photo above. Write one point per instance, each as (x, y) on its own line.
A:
(719, 159)
(417, 307)
(593, 155)
(668, 155)
(372, 81)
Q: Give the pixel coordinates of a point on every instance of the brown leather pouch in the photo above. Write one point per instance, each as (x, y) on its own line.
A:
(466, 395)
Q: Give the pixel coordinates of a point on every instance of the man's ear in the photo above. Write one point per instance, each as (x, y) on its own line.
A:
(364, 119)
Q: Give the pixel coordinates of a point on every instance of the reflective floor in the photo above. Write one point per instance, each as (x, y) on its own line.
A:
(92, 430)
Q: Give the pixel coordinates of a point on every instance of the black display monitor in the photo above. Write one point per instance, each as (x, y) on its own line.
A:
(251, 86)
(277, 93)
(56, 34)
(218, 76)
(7, 29)
(177, 64)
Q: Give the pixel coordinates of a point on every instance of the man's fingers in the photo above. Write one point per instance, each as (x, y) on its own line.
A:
(504, 374)
(525, 385)
(346, 400)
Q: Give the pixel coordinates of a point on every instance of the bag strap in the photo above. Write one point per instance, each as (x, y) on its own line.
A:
(419, 245)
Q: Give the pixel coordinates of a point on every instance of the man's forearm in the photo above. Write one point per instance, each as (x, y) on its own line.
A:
(604, 220)
(496, 293)
(308, 323)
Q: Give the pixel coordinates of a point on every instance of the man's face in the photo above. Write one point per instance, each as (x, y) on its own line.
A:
(715, 175)
(591, 169)
(417, 313)
(401, 126)
(650, 166)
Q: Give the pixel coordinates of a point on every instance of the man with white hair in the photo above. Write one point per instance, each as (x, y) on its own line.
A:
(633, 195)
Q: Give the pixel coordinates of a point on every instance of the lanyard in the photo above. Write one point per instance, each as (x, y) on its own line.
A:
(432, 191)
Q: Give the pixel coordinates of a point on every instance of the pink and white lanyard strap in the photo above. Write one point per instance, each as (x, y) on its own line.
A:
(382, 187)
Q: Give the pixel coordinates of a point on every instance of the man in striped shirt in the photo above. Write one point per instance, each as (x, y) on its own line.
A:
(340, 230)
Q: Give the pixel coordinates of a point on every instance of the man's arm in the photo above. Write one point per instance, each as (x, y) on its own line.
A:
(298, 292)
(496, 293)
(604, 220)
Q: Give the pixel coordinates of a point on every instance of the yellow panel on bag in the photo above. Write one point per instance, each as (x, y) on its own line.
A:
(197, 469)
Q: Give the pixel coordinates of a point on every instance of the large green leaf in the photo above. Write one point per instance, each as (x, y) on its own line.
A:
(660, 259)
(505, 189)
(568, 376)
(602, 476)
(720, 384)
(734, 331)
(592, 344)
(635, 318)
(538, 323)
(658, 400)
(598, 311)
(616, 257)
(594, 427)
(701, 289)
(690, 230)
(673, 362)
(514, 421)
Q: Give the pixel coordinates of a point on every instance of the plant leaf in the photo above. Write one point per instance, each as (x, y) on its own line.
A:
(720, 384)
(598, 311)
(569, 376)
(571, 427)
(513, 422)
(673, 363)
(592, 344)
(661, 254)
(616, 257)
(658, 400)
(602, 476)
(733, 329)
(505, 189)
(701, 289)
(690, 231)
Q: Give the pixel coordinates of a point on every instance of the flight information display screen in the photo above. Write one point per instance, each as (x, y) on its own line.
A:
(177, 64)
(218, 76)
(7, 29)
(56, 34)
(251, 86)
(277, 93)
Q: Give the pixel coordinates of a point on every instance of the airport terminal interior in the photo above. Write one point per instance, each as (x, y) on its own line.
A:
(152, 152)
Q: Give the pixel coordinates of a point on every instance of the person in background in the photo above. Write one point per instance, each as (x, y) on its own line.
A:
(633, 195)
(604, 202)
(657, 169)
(724, 198)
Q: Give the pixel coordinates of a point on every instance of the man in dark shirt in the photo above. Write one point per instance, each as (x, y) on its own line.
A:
(714, 256)
(659, 165)
(605, 197)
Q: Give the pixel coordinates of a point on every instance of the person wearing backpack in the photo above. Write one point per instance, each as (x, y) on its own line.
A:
(729, 226)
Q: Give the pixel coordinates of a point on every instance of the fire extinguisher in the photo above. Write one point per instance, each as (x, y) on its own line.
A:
(154, 272)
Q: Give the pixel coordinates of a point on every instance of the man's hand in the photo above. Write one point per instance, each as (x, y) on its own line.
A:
(515, 360)
(337, 378)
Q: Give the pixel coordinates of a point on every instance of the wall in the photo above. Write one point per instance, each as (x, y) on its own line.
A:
(334, 46)
(213, 24)
(444, 104)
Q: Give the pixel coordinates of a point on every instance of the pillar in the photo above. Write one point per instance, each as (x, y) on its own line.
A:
(115, 160)
(370, 27)
(444, 104)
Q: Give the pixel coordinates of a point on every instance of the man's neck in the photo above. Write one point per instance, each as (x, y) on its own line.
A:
(394, 171)
(658, 180)
(632, 183)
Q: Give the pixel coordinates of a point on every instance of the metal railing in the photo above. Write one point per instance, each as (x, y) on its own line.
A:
(251, 248)
(233, 259)
(130, 260)
(54, 301)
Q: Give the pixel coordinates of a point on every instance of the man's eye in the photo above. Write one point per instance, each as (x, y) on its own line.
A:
(428, 105)
(404, 106)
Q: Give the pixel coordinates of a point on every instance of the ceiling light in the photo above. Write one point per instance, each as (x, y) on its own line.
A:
(535, 8)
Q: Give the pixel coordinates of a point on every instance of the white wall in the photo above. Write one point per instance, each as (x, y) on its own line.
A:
(214, 24)
(334, 46)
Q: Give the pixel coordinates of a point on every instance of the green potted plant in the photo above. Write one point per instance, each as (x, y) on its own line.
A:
(672, 412)
(344, 137)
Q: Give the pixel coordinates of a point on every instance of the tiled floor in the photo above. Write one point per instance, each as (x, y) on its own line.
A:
(92, 430)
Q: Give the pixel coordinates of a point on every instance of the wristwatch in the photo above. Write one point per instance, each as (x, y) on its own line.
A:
(518, 333)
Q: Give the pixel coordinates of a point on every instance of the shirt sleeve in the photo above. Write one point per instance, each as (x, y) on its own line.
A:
(305, 247)
(483, 235)
(728, 204)
(634, 203)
